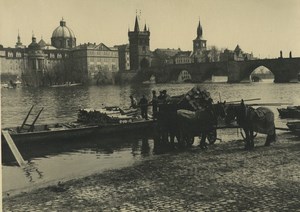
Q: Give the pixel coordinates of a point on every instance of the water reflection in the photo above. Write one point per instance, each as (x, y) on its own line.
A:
(145, 149)
(30, 169)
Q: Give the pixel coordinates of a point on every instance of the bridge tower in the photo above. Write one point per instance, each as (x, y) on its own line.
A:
(199, 45)
(139, 47)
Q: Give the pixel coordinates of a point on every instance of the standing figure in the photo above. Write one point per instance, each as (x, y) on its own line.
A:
(144, 107)
(133, 102)
(154, 104)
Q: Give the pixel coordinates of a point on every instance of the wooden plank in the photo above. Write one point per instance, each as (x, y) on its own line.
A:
(13, 148)
(281, 128)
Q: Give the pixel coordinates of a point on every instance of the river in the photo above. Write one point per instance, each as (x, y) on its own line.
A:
(59, 162)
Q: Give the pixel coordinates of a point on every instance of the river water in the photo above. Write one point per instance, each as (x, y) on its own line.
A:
(49, 163)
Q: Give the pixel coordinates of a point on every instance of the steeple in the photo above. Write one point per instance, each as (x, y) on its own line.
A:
(136, 25)
(19, 43)
(19, 38)
(145, 28)
(199, 31)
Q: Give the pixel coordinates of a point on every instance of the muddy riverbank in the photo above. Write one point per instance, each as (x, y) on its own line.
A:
(224, 177)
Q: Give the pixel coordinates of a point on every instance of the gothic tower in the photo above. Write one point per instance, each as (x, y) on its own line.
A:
(199, 42)
(199, 46)
(139, 48)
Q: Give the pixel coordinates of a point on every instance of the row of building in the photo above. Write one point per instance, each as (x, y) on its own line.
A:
(61, 61)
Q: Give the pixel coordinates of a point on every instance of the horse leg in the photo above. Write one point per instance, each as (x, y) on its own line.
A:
(172, 139)
(247, 143)
(271, 138)
(251, 137)
(268, 140)
(203, 144)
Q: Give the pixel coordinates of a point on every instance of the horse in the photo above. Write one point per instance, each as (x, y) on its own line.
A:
(259, 120)
(199, 123)
(186, 124)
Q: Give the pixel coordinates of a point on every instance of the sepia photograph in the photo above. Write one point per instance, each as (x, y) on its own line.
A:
(150, 105)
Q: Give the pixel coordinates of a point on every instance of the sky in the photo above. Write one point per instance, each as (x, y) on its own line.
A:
(263, 27)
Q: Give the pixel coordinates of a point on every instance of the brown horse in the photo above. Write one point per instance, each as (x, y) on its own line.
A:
(260, 120)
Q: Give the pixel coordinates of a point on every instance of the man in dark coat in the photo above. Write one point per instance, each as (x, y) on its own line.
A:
(154, 104)
(144, 107)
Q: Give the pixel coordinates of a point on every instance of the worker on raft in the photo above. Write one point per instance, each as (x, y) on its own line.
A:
(133, 102)
(154, 103)
(144, 107)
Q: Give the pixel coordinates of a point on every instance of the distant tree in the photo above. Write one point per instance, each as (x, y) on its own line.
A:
(214, 54)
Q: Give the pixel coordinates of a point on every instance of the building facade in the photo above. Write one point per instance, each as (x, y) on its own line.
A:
(236, 55)
(43, 64)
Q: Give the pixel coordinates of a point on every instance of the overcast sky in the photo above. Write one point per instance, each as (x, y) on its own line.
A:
(263, 27)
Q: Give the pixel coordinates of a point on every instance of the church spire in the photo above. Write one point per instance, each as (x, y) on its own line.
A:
(145, 28)
(19, 43)
(136, 26)
(19, 38)
(199, 31)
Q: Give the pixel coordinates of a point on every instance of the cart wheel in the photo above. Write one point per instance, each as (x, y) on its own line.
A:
(212, 136)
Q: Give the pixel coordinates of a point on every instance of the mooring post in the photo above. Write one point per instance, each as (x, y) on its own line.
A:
(13, 148)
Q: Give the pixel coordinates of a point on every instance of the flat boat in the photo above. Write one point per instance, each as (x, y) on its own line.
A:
(90, 122)
(289, 112)
(294, 127)
(64, 131)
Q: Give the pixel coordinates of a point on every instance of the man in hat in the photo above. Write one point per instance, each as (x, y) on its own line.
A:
(144, 107)
(154, 104)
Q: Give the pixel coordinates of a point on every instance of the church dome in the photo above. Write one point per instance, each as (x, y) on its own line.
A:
(63, 31)
(63, 36)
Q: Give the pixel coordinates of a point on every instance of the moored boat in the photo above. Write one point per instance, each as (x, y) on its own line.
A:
(74, 130)
(104, 121)
(289, 112)
(294, 127)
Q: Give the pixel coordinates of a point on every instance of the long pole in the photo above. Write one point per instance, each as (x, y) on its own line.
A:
(26, 117)
(244, 100)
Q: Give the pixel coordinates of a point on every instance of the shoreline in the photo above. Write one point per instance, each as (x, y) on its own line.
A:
(224, 177)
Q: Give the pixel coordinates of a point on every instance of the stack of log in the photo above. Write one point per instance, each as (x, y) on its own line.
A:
(107, 115)
(197, 98)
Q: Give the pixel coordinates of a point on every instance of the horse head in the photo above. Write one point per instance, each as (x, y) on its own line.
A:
(219, 110)
(231, 113)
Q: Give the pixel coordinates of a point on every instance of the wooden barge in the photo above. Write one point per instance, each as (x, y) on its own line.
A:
(90, 123)
(73, 130)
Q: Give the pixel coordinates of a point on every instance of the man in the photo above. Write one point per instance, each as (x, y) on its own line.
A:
(154, 104)
(144, 107)
(133, 102)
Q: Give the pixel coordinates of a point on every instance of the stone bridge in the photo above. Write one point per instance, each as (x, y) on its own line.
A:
(284, 70)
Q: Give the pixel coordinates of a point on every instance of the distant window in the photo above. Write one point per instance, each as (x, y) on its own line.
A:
(10, 54)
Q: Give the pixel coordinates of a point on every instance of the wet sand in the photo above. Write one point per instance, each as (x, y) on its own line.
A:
(224, 177)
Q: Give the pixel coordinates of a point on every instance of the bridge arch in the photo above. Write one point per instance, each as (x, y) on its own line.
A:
(184, 76)
(261, 74)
